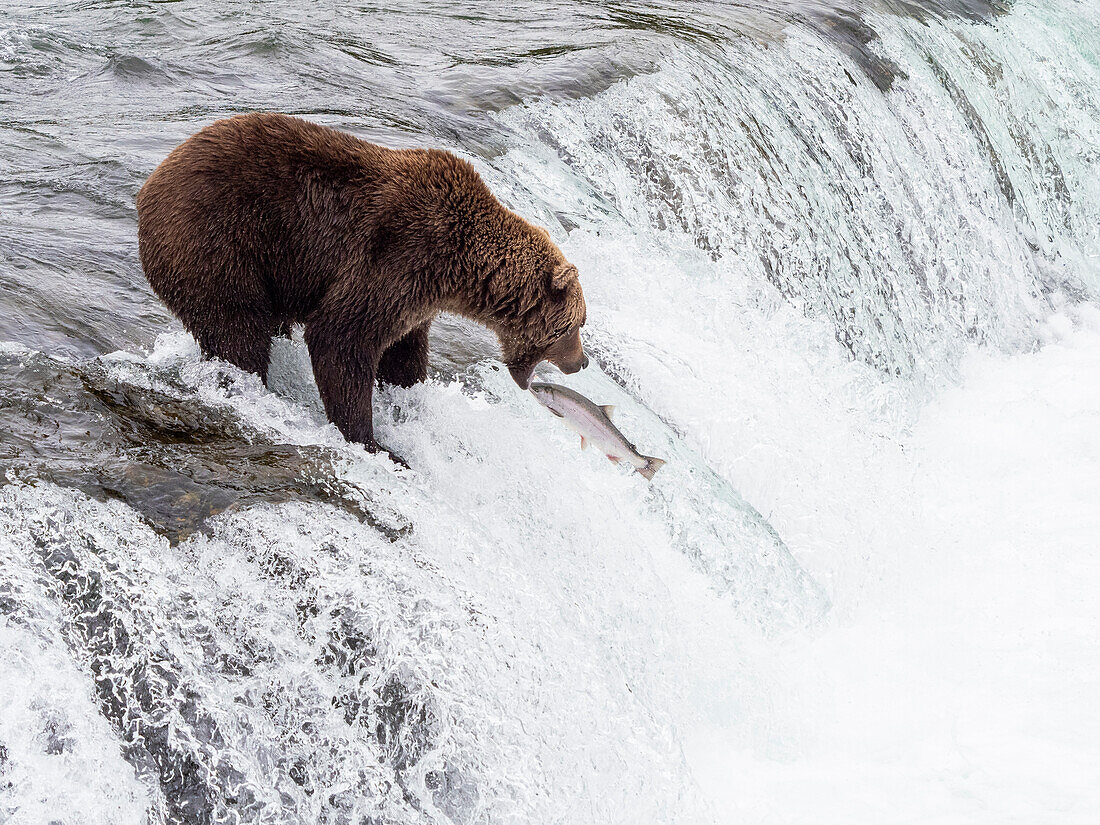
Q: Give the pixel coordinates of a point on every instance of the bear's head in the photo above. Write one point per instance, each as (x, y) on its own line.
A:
(540, 307)
(553, 330)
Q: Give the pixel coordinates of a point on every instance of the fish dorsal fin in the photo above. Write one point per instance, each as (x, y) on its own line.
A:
(584, 443)
(607, 410)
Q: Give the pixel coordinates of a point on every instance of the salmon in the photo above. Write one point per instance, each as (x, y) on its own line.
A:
(592, 423)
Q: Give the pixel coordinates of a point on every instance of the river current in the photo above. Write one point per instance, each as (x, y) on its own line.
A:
(841, 264)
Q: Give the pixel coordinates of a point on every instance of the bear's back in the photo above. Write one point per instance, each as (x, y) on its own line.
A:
(267, 205)
(266, 200)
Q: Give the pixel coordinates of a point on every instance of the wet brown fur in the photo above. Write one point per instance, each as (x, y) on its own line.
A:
(262, 221)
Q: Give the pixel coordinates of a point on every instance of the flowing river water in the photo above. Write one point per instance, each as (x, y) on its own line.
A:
(841, 265)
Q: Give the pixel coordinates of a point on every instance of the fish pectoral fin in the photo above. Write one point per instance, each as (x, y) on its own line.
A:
(614, 459)
(607, 410)
(584, 443)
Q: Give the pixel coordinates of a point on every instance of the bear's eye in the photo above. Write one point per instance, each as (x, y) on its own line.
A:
(561, 332)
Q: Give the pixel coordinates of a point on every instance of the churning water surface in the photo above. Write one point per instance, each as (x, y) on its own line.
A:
(841, 264)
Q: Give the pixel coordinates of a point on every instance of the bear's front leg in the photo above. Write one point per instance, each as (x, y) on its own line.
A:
(344, 371)
(405, 361)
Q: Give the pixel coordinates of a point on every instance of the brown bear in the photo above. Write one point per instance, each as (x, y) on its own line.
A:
(262, 221)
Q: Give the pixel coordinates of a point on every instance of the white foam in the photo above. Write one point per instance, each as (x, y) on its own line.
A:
(571, 661)
(60, 761)
(955, 681)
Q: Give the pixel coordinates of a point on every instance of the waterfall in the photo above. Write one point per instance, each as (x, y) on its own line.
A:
(799, 232)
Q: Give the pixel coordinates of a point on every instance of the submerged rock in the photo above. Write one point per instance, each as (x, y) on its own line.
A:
(174, 459)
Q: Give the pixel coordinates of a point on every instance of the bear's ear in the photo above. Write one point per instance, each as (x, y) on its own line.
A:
(563, 275)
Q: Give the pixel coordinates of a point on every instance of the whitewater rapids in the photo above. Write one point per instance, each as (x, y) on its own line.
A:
(841, 270)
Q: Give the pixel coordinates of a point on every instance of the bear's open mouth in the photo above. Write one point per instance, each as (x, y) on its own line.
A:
(521, 373)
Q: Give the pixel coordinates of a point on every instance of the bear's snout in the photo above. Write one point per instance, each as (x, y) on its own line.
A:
(577, 366)
(568, 354)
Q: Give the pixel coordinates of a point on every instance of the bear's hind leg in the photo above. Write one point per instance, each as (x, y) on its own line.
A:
(405, 361)
(243, 340)
(344, 374)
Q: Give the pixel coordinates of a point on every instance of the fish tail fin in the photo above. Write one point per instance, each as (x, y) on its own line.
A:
(651, 466)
